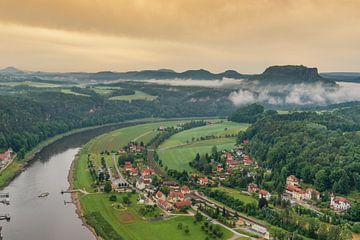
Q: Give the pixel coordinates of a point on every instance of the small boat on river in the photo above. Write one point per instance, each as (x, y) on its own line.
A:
(45, 194)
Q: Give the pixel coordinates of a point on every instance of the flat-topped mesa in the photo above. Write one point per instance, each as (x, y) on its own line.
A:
(291, 74)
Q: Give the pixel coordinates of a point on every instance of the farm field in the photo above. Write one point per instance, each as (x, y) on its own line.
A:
(178, 158)
(137, 96)
(236, 194)
(180, 149)
(219, 129)
(68, 91)
(119, 138)
(30, 84)
(127, 222)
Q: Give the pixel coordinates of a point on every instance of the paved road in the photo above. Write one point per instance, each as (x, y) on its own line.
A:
(121, 177)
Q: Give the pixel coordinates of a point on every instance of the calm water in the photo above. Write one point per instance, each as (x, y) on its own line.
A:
(34, 218)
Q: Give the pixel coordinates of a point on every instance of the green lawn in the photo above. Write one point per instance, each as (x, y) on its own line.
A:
(178, 158)
(119, 138)
(236, 194)
(137, 96)
(82, 177)
(127, 222)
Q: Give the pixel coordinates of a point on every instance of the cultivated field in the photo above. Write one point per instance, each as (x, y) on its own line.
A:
(137, 96)
(120, 138)
(181, 148)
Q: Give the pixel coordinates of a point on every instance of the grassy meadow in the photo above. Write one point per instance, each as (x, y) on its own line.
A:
(181, 148)
(137, 96)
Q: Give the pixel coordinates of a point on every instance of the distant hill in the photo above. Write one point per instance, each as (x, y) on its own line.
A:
(343, 76)
(288, 74)
(291, 74)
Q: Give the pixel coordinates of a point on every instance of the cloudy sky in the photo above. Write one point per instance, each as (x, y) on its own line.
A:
(245, 35)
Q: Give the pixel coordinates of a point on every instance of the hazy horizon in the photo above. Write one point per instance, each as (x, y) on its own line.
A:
(121, 35)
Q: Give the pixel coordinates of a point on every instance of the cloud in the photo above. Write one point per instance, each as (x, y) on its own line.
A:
(297, 94)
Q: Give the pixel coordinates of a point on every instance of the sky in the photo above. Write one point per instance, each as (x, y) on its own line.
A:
(121, 35)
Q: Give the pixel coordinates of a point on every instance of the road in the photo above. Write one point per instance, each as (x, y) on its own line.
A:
(121, 177)
(236, 234)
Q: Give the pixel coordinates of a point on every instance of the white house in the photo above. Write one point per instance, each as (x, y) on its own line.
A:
(339, 203)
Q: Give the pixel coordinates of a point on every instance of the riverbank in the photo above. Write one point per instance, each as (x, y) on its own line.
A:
(19, 165)
(75, 199)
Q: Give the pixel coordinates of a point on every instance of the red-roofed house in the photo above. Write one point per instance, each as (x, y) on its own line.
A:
(339, 203)
(175, 196)
(292, 181)
(185, 190)
(253, 188)
(185, 203)
(219, 168)
(147, 172)
(247, 160)
(264, 194)
(133, 172)
(160, 195)
(231, 163)
(165, 205)
(5, 156)
(295, 192)
(312, 194)
(203, 181)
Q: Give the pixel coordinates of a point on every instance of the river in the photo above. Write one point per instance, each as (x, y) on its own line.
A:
(48, 218)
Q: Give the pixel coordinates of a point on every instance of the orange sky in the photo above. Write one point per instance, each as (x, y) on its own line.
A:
(245, 35)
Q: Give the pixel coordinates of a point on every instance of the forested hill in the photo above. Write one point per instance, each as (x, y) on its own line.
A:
(30, 116)
(321, 148)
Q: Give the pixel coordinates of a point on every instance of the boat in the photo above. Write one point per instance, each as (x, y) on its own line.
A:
(45, 194)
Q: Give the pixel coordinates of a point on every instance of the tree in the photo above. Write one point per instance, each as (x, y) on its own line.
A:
(113, 198)
(322, 180)
(198, 216)
(126, 200)
(180, 225)
(107, 187)
(262, 203)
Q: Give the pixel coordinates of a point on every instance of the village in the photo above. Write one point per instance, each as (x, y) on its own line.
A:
(135, 174)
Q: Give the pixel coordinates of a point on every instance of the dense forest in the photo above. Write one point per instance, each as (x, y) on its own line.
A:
(323, 149)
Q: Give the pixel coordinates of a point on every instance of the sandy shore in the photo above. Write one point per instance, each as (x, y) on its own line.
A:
(75, 199)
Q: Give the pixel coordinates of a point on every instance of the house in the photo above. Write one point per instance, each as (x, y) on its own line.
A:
(174, 186)
(264, 194)
(231, 163)
(5, 156)
(122, 151)
(175, 196)
(128, 166)
(133, 172)
(247, 160)
(292, 181)
(160, 195)
(253, 188)
(147, 172)
(312, 194)
(295, 192)
(185, 190)
(185, 203)
(143, 183)
(165, 205)
(203, 181)
(339, 203)
(246, 142)
(219, 168)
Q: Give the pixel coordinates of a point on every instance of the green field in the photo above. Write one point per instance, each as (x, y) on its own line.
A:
(68, 91)
(178, 158)
(236, 194)
(127, 222)
(30, 84)
(137, 96)
(119, 138)
(180, 149)
(109, 218)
